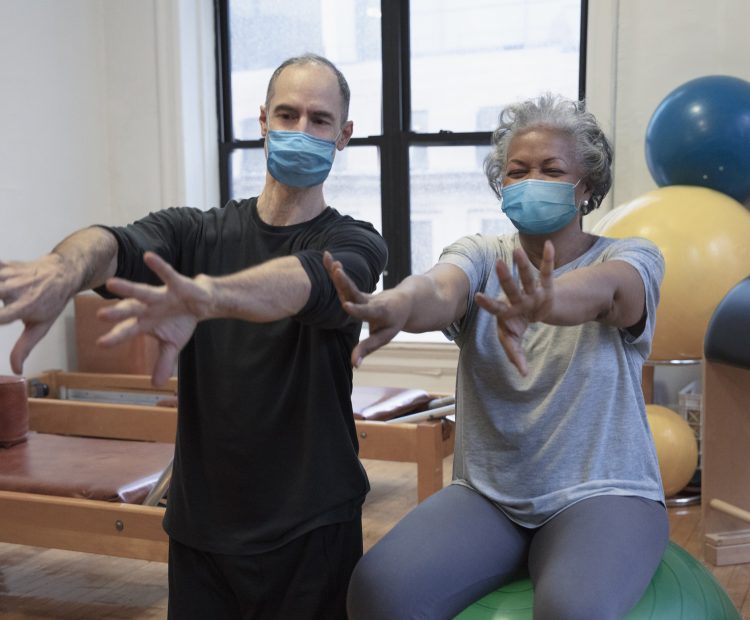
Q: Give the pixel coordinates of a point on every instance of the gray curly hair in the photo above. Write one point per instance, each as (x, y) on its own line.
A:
(593, 149)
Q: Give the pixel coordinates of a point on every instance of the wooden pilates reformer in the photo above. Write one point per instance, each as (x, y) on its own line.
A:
(111, 526)
(426, 441)
(127, 408)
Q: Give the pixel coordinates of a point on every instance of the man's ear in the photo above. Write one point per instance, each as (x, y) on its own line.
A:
(346, 135)
(263, 120)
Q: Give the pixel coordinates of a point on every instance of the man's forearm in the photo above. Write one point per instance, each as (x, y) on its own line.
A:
(274, 290)
(90, 257)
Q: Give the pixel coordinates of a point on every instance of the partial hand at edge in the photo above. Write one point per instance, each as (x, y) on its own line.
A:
(34, 292)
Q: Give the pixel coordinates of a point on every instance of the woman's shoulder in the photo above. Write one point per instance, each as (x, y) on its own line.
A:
(629, 242)
(494, 246)
(637, 251)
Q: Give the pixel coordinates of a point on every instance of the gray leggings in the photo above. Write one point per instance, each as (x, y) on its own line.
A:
(592, 561)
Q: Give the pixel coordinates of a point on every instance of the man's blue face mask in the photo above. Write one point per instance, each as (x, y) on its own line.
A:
(298, 159)
(539, 207)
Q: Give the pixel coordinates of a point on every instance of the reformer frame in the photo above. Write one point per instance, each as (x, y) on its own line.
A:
(425, 443)
(93, 526)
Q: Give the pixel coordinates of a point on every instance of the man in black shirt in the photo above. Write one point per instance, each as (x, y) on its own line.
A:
(264, 508)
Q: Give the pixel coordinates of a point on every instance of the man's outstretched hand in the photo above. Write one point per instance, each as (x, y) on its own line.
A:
(170, 312)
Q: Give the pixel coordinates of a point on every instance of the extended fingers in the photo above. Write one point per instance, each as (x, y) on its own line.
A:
(525, 271)
(10, 311)
(514, 351)
(165, 364)
(493, 306)
(161, 268)
(509, 286)
(345, 287)
(28, 339)
(119, 333)
(126, 288)
(123, 309)
(372, 343)
(547, 266)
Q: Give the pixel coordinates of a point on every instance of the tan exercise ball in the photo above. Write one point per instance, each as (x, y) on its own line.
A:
(704, 236)
(676, 447)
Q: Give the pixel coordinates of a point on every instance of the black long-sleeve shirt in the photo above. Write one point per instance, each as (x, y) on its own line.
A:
(266, 448)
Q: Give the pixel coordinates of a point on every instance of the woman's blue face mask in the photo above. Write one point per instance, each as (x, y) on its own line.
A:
(537, 207)
(298, 159)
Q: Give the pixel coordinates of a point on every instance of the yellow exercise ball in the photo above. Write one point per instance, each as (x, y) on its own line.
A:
(676, 447)
(704, 236)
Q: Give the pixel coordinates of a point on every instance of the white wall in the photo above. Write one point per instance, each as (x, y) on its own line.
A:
(54, 156)
(99, 123)
(131, 100)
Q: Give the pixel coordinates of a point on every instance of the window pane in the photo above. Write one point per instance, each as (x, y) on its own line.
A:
(266, 32)
(248, 173)
(470, 59)
(352, 188)
(450, 198)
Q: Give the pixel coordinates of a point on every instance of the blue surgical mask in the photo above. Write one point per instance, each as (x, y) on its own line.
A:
(539, 207)
(298, 159)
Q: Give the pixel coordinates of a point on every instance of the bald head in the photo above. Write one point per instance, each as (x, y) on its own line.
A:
(313, 59)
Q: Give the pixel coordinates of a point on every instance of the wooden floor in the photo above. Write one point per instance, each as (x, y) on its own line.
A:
(63, 585)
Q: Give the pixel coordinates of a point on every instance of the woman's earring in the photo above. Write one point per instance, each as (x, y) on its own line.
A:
(585, 206)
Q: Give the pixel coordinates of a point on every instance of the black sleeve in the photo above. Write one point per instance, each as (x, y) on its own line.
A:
(162, 232)
(362, 252)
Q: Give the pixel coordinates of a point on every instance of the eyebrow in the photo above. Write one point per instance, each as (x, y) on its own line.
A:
(549, 160)
(284, 107)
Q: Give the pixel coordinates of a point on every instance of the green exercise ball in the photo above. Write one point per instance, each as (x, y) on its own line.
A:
(682, 589)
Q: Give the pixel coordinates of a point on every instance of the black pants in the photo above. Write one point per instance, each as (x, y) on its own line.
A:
(305, 579)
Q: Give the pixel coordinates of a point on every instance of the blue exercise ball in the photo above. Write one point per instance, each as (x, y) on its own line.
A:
(700, 135)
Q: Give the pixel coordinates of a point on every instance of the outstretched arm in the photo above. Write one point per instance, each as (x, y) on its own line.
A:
(610, 292)
(419, 303)
(36, 292)
(271, 291)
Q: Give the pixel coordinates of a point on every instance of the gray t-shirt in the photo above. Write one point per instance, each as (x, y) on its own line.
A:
(576, 425)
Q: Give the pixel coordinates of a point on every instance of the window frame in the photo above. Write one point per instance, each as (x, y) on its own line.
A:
(397, 137)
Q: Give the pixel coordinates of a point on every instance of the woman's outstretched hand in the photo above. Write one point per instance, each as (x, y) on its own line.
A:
(518, 307)
(386, 313)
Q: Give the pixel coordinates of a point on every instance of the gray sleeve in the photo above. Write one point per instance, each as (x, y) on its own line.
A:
(475, 255)
(647, 259)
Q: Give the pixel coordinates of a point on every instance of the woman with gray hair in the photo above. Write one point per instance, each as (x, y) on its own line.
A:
(555, 471)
